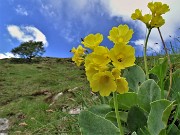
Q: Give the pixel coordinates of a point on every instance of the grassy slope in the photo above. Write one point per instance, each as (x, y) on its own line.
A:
(20, 102)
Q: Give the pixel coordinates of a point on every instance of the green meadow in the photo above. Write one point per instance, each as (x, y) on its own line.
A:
(44, 96)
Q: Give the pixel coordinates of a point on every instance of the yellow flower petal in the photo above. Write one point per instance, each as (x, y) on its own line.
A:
(137, 15)
(104, 82)
(92, 40)
(122, 56)
(100, 55)
(157, 21)
(157, 8)
(120, 34)
(116, 72)
(122, 85)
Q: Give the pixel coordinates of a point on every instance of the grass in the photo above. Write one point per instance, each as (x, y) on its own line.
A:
(27, 92)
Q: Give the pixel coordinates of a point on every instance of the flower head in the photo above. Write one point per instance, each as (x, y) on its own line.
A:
(154, 19)
(157, 8)
(120, 34)
(78, 55)
(92, 40)
(100, 55)
(104, 82)
(122, 56)
(78, 59)
(157, 21)
(116, 72)
(122, 85)
(137, 15)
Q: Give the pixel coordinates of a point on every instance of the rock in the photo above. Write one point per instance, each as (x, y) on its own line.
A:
(4, 125)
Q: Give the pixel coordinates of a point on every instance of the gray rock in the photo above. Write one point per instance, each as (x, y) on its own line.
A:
(4, 125)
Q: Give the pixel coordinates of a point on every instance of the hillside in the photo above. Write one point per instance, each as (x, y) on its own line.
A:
(29, 91)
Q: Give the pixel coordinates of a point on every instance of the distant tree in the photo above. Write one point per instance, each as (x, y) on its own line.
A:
(29, 49)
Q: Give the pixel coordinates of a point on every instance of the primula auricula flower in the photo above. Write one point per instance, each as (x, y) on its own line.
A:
(92, 40)
(104, 82)
(102, 65)
(154, 19)
(92, 69)
(78, 55)
(157, 8)
(122, 56)
(157, 21)
(116, 72)
(122, 85)
(120, 34)
(137, 15)
(100, 55)
(78, 60)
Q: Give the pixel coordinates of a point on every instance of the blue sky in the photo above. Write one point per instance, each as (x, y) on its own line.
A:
(61, 24)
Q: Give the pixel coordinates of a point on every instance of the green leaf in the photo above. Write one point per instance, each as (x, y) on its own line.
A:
(143, 131)
(134, 76)
(100, 110)
(136, 119)
(126, 100)
(112, 116)
(92, 124)
(174, 130)
(160, 69)
(158, 116)
(149, 91)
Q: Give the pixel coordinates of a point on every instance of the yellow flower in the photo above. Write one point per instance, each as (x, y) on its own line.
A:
(73, 50)
(100, 55)
(137, 15)
(122, 56)
(120, 34)
(78, 59)
(93, 68)
(116, 72)
(78, 55)
(122, 85)
(91, 41)
(157, 8)
(146, 19)
(157, 21)
(104, 82)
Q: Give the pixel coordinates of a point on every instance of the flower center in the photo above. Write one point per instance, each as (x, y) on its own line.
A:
(120, 59)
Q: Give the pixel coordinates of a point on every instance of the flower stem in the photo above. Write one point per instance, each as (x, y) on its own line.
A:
(145, 55)
(169, 62)
(117, 113)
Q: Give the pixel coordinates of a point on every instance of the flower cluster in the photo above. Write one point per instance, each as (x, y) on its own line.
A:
(154, 19)
(103, 66)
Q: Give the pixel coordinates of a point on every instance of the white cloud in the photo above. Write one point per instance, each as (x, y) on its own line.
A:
(24, 34)
(20, 10)
(126, 8)
(8, 55)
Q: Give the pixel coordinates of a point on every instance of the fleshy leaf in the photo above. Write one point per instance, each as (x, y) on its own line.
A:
(126, 100)
(100, 110)
(174, 130)
(135, 76)
(148, 92)
(136, 119)
(92, 124)
(158, 116)
(160, 69)
(112, 116)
